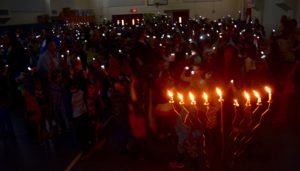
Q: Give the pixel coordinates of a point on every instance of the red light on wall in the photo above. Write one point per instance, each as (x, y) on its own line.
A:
(134, 10)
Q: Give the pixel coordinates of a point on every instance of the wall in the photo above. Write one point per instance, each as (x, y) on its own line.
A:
(23, 17)
(27, 14)
(23, 13)
(83, 4)
(97, 6)
(59, 4)
(222, 8)
(298, 12)
(265, 10)
(272, 14)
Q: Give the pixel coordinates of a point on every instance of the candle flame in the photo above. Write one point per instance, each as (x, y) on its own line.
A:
(268, 89)
(180, 96)
(205, 96)
(170, 93)
(256, 94)
(193, 102)
(205, 99)
(269, 92)
(219, 92)
(247, 96)
(235, 102)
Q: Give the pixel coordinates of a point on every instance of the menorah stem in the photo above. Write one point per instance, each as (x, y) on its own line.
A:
(222, 130)
(185, 109)
(176, 110)
(235, 115)
(255, 110)
(265, 112)
(248, 138)
(187, 115)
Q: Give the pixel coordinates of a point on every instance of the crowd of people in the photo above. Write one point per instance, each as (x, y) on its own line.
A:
(80, 75)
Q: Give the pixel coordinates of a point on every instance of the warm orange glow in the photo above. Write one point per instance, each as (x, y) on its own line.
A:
(205, 98)
(247, 96)
(256, 94)
(236, 103)
(193, 102)
(219, 92)
(268, 89)
(269, 92)
(170, 94)
(180, 97)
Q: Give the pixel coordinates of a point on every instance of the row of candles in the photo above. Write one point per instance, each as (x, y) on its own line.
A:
(219, 93)
(221, 100)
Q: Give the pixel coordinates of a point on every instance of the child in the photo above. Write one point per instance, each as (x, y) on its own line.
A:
(93, 104)
(80, 117)
(188, 132)
(57, 101)
(33, 114)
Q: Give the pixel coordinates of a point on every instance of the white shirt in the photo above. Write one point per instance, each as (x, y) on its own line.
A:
(78, 105)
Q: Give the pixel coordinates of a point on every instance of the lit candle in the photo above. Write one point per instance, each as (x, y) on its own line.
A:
(133, 22)
(236, 103)
(193, 102)
(118, 22)
(247, 96)
(180, 19)
(122, 21)
(180, 97)
(219, 92)
(205, 97)
(269, 92)
(256, 94)
(170, 94)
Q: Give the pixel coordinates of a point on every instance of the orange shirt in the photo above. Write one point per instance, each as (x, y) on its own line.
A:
(32, 108)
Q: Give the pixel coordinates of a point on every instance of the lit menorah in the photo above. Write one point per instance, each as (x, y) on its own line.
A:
(183, 110)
